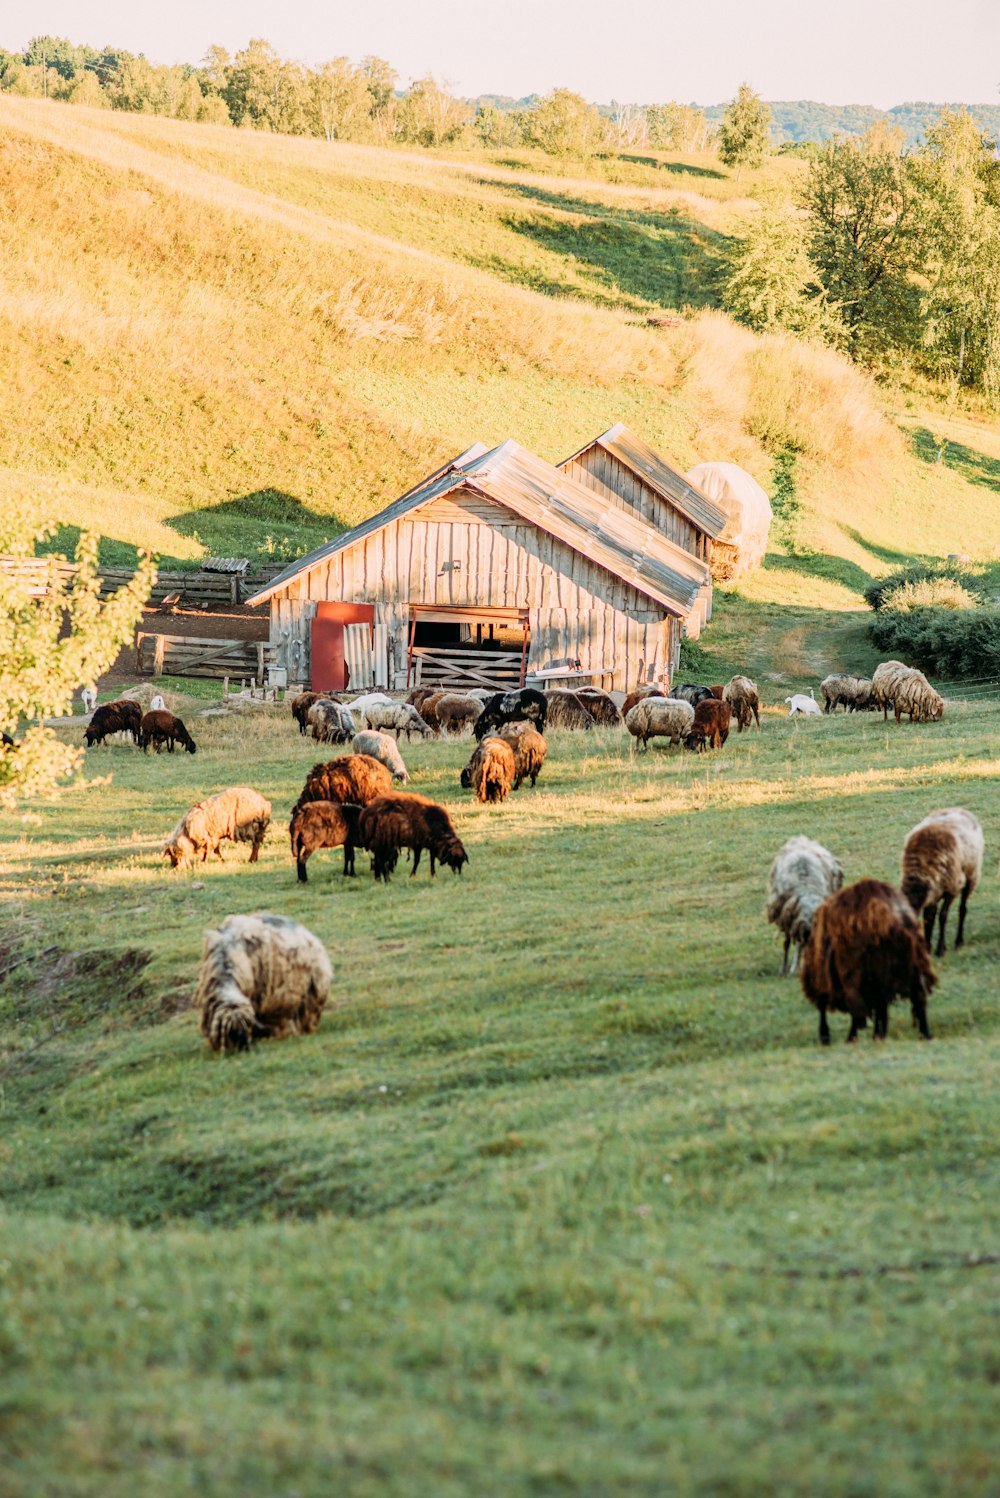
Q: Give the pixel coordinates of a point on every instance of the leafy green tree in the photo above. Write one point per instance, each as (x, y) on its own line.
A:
(564, 124)
(381, 80)
(429, 116)
(744, 133)
(50, 646)
(265, 92)
(772, 285)
(339, 101)
(677, 127)
(57, 53)
(498, 129)
(85, 89)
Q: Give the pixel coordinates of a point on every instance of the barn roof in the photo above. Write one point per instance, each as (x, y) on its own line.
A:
(623, 544)
(657, 472)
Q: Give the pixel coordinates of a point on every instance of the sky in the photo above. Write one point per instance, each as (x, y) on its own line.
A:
(879, 52)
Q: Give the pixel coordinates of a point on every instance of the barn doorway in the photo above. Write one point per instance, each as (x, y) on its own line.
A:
(464, 648)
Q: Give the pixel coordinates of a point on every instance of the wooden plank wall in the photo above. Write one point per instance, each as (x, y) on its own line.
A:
(609, 476)
(477, 555)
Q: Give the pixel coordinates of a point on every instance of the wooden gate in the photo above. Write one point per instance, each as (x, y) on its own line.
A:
(184, 655)
(472, 666)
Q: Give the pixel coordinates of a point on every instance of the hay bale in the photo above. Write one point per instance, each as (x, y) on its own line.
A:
(742, 545)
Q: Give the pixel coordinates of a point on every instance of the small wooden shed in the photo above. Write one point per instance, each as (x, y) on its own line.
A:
(624, 469)
(496, 569)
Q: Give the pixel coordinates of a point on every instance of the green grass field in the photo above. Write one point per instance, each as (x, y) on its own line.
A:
(563, 1196)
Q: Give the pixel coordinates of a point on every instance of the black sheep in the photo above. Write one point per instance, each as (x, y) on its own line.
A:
(508, 707)
(123, 716)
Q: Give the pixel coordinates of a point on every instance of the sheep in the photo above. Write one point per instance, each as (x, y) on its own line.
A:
(407, 821)
(866, 947)
(718, 692)
(330, 723)
(567, 710)
(529, 749)
(352, 779)
(261, 976)
(88, 696)
(905, 690)
(659, 717)
(428, 708)
(688, 692)
(491, 771)
(802, 706)
(854, 692)
(481, 694)
(164, 728)
(710, 728)
(300, 706)
(240, 814)
(802, 876)
(419, 696)
(456, 711)
(601, 706)
(508, 707)
(741, 694)
(383, 748)
(157, 704)
(361, 704)
(400, 716)
(638, 694)
(122, 716)
(323, 824)
(942, 858)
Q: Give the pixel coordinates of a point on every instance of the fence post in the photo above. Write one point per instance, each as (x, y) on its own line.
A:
(158, 657)
(260, 662)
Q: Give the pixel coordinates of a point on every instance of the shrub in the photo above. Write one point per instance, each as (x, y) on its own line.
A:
(950, 643)
(880, 594)
(930, 593)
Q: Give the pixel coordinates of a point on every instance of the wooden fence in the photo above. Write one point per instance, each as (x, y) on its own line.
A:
(194, 587)
(500, 670)
(185, 655)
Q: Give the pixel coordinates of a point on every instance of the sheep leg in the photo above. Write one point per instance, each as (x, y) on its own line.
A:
(852, 1033)
(348, 860)
(255, 850)
(918, 1004)
(300, 868)
(824, 1028)
(881, 1018)
(930, 911)
(784, 960)
(946, 900)
(795, 959)
(963, 906)
(416, 861)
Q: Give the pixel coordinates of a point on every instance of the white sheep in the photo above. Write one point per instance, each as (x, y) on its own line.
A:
(660, 717)
(157, 704)
(383, 748)
(400, 716)
(942, 858)
(802, 875)
(361, 704)
(331, 722)
(807, 707)
(89, 695)
(240, 814)
(261, 976)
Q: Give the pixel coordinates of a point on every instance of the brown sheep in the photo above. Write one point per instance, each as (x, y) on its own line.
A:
(262, 976)
(717, 692)
(406, 821)
(419, 696)
(529, 749)
(866, 948)
(491, 771)
(567, 710)
(637, 694)
(942, 859)
(353, 779)
(160, 728)
(710, 728)
(602, 707)
(123, 716)
(741, 694)
(428, 709)
(323, 824)
(300, 706)
(455, 711)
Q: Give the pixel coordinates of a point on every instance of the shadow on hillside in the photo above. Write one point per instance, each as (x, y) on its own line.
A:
(887, 554)
(658, 258)
(820, 565)
(675, 168)
(266, 526)
(976, 467)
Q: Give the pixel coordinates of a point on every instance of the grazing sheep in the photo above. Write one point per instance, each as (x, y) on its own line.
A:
(240, 815)
(741, 694)
(399, 716)
(481, 694)
(88, 696)
(601, 706)
(491, 771)
(353, 779)
(428, 708)
(568, 710)
(866, 947)
(122, 716)
(330, 723)
(905, 690)
(455, 712)
(262, 976)
(406, 821)
(164, 728)
(529, 749)
(639, 694)
(659, 717)
(300, 706)
(802, 876)
(942, 858)
(383, 748)
(802, 706)
(419, 696)
(323, 824)
(688, 692)
(508, 707)
(361, 704)
(718, 692)
(710, 728)
(854, 692)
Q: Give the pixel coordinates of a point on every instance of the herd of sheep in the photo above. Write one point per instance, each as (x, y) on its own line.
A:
(855, 949)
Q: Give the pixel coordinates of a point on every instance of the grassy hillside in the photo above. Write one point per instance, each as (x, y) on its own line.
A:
(540, 1208)
(248, 342)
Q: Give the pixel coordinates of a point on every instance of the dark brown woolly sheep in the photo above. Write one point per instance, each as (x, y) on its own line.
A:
(406, 821)
(942, 859)
(567, 710)
(529, 749)
(428, 710)
(123, 716)
(717, 692)
(300, 706)
(323, 824)
(491, 771)
(161, 728)
(710, 728)
(419, 696)
(637, 694)
(353, 779)
(602, 707)
(866, 948)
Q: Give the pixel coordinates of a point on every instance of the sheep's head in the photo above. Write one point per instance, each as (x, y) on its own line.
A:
(465, 779)
(179, 851)
(695, 740)
(190, 746)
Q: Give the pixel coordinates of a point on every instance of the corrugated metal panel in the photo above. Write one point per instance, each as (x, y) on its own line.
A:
(673, 486)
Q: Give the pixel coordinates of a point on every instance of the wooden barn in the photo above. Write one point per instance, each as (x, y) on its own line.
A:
(622, 468)
(497, 570)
